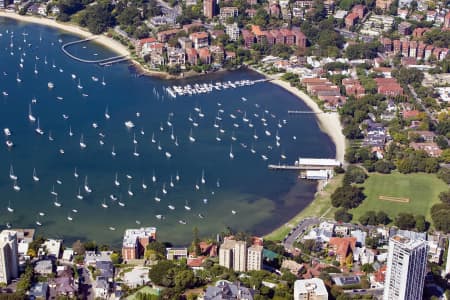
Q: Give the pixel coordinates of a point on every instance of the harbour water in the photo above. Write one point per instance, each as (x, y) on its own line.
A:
(241, 192)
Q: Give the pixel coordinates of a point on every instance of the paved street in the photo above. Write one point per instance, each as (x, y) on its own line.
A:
(85, 291)
(298, 230)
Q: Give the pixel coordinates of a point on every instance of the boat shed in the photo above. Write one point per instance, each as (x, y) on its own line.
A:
(318, 174)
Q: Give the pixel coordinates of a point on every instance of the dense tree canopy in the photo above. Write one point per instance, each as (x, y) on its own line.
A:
(347, 196)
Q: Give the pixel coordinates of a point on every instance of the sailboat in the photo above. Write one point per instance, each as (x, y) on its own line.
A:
(53, 192)
(135, 153)
(35, 70)
(9, 208)
(130, 192)
(176, 142)
(153, 138)
(171, 184)
(134, 139)
(144, 186)
(122, 204)
(218, 137)
(103, 81)
(79, 196)
(154, 177)
(233, 138)
(164, 188)
(50, 136)
(171, 207)
(172, 136)
(107, 115)
(79, 86)
(113, 152)
(11, 173)
(75, 174)
(159, 146)
(168, 155)
(116, 181)
(218, 183)
(18, 78)
(35, 177)
(86, 186)
(231, 152)
(104, 205)
(56, 203)
(203, 180)
(177, 177)
(70, 131)
(186, 206)
(30, 114)
(191, 137)
(69, 217)
(82, 143)
(252, 149)
(38, 129)
(157, 199)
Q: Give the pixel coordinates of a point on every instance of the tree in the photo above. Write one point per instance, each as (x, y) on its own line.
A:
(440, 214)
(384, 166)
(421, 223)
(78, 248)
(445, 197)
(116, 258)
(405, 221)
(444, 174)
(354, 174)
(369, 218)
(185, 279)
(342, 215)
(383, 218)
(160, 273)
(367, 268)
(347, 196)
(196, 242)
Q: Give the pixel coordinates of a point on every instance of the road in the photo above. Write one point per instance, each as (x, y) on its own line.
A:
(377, 292)
(85, 284)
(298, 230)
(419, 101)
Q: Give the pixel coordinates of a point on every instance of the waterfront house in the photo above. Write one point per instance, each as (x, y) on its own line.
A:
(341, 248)
(200, 39)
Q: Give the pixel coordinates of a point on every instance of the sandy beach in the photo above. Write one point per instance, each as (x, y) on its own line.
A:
(329, 121)
(101, 39)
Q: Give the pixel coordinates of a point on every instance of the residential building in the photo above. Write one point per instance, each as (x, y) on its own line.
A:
(52, 247)
(384, 4)
(44, 267)
(185, 42)
(200, 39)
(431, 148)
(192, 56)
(135, 241)
(209, 8)
(92, 257)
(310, 289)
(176, 253)
(351, 19)
(204, 55)
(406, 268)
(224, 290)
(9, 260)
(233, 255)
(342, 247)
(254, 258)
(404, 28)
(447, 21)
(39, 291)
(166, 35)
(228, 12)
(175, 56)
(232, 30)
(360, 10)
(249, 38)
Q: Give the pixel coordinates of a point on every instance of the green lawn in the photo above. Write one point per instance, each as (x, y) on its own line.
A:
(422, 190)
(319, 207)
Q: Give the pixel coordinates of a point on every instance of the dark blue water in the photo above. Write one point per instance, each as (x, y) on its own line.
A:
(261, 199)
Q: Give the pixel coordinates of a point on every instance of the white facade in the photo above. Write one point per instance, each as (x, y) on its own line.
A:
(9, 261)
(232, 30)
(240, 256)
(254, 258)
(406, 269)
(308, 289)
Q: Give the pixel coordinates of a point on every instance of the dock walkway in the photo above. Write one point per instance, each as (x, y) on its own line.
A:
(102, 62)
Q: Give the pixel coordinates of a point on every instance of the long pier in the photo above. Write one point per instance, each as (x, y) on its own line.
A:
(297, 167)
(300, 112)
(101, 62)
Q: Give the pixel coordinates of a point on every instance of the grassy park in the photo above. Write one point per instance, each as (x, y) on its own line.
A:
(394, 193)
(319, 207)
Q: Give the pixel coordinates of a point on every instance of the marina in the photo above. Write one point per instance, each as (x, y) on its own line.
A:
(196, 88)
(100, 148)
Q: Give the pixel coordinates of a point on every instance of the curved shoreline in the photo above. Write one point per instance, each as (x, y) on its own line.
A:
(329, 122)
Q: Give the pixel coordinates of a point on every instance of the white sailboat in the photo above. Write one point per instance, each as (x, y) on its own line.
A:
(79, 86)
(177, 177)
(231, 152)
(75, 173)
(79, 196)
(53, 192)
(69, 217)
(168, 155)
(11, 173)
(107, 115)
(159, 146)
(9, 208)
(134, 139)
(30, 114)
(121, 203)
(154, 177)
(135, 153)
(191, 137)
(144, 186)
(218, 183)
(35, 177)
(176, 142)
(35, 69)
(157, 199)
(82, 143)
(50, 136)
(56, 203)
(171, 184)
(164, 188)
(104, 205)
(130, 192)
(103, 81)
(86, 186)
(186, 206)
(153, 138)
(38, 129)
(203, 180)
(171, 207)
(70, 131)
(113, 152)
(116, 181)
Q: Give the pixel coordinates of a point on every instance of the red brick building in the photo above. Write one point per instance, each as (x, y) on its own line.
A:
(351, 19)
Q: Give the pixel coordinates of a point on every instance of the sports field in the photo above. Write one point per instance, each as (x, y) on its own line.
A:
(394, 193)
